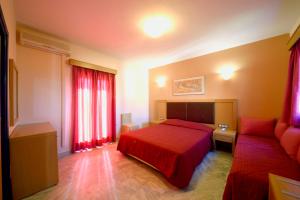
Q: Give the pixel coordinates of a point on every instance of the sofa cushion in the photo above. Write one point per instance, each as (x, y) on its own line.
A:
(290, 141)
(298, 155)
(259, 127)
(280, 129)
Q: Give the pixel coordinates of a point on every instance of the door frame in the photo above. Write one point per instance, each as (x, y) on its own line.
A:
(5, 155)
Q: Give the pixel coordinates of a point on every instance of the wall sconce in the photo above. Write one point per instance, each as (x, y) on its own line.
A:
(161, 81)
(227, 72)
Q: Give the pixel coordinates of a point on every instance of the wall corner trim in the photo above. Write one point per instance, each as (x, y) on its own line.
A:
(294, 38)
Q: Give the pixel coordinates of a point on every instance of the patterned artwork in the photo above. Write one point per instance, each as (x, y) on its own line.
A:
(188, 86)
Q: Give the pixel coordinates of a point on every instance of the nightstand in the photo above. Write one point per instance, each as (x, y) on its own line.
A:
(224, 136)
(128, 127)
(281, 188)
(154, 122)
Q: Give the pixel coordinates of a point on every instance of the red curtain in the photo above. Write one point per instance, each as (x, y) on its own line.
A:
(291, 111)
(94, 108)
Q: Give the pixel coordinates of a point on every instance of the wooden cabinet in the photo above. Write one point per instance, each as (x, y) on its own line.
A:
(34, 164)
(281, 188)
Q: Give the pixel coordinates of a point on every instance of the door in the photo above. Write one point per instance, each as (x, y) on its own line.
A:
(5, 166)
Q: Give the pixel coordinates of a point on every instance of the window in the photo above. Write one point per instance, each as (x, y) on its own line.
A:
(94, 106)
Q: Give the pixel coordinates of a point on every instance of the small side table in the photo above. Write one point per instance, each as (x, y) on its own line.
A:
(281, 188)
(224, 136)
(128, 127)
(155, 122)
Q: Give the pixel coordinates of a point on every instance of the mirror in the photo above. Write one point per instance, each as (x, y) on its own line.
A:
(13, 93)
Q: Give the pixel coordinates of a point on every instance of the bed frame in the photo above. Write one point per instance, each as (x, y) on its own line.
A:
(210, 112)
(207, 111)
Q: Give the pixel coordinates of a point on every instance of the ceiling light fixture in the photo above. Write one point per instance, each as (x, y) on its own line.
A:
(156, 26)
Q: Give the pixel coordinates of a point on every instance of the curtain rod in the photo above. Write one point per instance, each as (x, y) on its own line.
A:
(91, 66)
(294, 38)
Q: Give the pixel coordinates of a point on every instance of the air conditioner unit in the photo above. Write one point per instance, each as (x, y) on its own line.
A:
(41, 43)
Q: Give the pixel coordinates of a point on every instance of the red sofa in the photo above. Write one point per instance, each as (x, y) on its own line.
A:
(254, 158)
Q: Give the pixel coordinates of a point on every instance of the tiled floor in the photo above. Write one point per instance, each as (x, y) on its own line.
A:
(107, 174)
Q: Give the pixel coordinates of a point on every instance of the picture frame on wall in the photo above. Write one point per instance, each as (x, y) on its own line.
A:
(189, 86)
(13, 93)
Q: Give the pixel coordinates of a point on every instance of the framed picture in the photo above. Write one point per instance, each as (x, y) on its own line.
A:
(189, 86)
(13, 93)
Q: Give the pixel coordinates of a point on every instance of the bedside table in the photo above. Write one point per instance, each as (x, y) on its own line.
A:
(224, 136)
(281, 188)
(154, 122)
(128, 127)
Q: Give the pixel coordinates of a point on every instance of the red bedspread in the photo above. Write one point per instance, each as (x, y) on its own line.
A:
(254, 158)
(175, 151)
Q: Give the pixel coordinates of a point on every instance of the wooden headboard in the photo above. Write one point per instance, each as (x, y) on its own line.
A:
(215, 111)
(203, 112)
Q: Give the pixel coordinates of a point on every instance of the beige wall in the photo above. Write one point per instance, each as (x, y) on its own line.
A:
(258, 83)
(45, 87)
(39, 87)
(134, 92)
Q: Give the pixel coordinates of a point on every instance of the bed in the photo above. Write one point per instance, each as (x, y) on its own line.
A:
(176, 146)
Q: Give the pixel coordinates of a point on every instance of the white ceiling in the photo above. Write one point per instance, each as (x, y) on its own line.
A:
(201, 26)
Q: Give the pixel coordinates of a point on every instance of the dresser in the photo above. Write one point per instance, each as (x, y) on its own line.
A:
(34, 163)
(281, 188)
